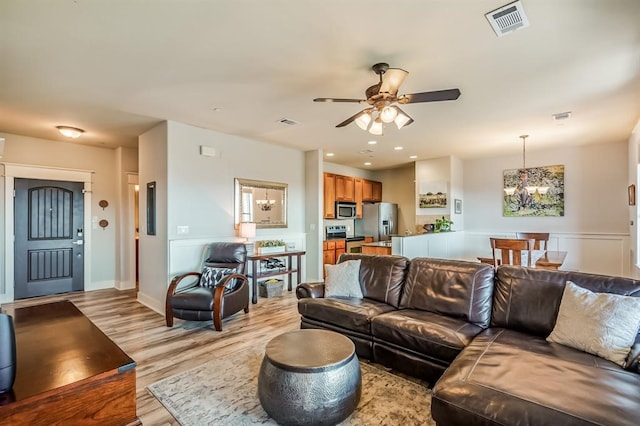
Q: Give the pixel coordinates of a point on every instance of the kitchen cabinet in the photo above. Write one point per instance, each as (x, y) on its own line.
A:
(345, 190)
(351, 189)
(329, 182)
(341, 247)
(371, 191)
(331, 251)
(377, 250)
(357, 189)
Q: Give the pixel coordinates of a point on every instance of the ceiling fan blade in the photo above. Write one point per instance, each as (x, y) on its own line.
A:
(352, 118)
(435, 96)
(357, 101)
(392, 79)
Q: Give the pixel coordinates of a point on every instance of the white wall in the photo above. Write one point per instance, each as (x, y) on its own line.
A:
(72, 156)
(199, 193)
(594, 230)
(398, 186)
(153, 249)
(633, 164)
(595, 191)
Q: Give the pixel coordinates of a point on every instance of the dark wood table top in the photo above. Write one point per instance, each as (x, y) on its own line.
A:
(56, 346)
(257, 256)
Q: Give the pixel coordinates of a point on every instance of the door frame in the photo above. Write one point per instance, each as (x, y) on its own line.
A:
(13, 171)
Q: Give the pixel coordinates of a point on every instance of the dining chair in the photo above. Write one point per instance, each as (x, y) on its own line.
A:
(542, 239)
(512, 251)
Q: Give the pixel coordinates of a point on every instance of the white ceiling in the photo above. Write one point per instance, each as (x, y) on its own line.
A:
(116, 68)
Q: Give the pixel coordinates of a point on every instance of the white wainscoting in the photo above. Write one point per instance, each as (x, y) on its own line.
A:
(606, 254)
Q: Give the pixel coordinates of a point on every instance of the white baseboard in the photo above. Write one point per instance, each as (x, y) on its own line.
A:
(125, 285)
(99, 285)
(151, 303)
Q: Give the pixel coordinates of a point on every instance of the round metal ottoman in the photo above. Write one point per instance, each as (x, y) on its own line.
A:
(309, 377)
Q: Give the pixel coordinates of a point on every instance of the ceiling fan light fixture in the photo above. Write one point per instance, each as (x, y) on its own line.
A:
(388, 114)
(402, 120)
(363, 120)
(376, 127)
(70, 132)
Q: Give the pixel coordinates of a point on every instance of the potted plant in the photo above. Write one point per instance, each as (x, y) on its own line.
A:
(443, 225)
(270, 246)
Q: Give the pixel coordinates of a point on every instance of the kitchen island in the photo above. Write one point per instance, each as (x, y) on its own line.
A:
(443, 245)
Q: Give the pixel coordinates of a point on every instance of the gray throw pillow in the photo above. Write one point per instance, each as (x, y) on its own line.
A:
(601, 324)
(211, 276)
(343, 279)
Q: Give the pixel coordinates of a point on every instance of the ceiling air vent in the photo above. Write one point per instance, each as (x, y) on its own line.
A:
(288, 121)
(507, 18)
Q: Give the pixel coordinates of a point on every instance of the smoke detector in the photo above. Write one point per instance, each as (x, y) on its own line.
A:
(507, 18)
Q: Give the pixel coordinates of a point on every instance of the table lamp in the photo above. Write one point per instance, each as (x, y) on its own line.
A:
(247, 230)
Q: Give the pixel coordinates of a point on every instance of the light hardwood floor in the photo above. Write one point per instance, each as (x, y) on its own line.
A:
(162, 352)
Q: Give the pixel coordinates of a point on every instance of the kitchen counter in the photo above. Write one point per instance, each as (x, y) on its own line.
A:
(378, 244)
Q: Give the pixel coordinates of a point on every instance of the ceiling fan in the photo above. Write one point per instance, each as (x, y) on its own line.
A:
(383, 96)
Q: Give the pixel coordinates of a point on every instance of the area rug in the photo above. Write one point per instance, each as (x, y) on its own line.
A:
(224, 392)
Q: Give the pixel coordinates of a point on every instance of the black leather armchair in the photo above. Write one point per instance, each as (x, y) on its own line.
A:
(193, 302)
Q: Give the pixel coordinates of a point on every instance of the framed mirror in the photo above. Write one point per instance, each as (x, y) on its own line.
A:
(264, 203)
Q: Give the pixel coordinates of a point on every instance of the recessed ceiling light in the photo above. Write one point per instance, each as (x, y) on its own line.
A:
(330, 154)
(372, 142)
(413, 157)
(216, 109)
(367, 163)
(398, 148)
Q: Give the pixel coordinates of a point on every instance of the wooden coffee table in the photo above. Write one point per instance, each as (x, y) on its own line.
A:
(68, 371)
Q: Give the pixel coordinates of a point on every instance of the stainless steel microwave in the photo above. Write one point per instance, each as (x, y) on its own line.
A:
(345, 210)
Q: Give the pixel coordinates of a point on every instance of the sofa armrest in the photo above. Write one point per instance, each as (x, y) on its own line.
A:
(313, 290)
(633, 359)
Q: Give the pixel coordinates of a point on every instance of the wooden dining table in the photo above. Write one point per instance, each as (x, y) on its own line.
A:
(551, 259)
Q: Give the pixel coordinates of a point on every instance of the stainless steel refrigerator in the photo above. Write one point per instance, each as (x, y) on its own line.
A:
(379, 220)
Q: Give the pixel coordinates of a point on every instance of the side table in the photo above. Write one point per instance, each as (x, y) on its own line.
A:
(255, 275)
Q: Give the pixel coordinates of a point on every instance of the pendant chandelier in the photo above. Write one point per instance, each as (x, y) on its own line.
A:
(524, 192)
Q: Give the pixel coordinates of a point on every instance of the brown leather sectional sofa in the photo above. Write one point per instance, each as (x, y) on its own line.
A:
(479, 337)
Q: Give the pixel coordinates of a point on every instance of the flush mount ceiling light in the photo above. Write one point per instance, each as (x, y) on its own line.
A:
(70, 132)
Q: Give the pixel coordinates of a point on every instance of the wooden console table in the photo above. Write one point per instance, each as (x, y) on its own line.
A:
(68, 371)
(255, 276)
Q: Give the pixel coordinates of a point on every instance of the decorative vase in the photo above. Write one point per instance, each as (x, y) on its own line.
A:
(7, 353)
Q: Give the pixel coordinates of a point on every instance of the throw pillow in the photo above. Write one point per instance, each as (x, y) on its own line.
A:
(343, 279)
(211, 276)
(602, 324)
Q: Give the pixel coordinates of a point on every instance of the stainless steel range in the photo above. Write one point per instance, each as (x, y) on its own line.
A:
(339, 232)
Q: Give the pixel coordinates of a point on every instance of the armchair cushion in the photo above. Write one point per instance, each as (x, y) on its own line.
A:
(212, 276)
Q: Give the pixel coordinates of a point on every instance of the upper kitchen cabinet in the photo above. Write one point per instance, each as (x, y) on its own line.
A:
(345, 189)
(350, 189)
(358, 188)
(372, 191)
(329, 181)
